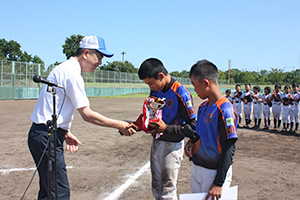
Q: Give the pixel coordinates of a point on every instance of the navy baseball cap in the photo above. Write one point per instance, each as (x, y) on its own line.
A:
(95, 42)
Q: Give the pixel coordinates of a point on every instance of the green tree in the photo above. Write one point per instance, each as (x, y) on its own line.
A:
(246, 77)
(263, 72)
(276, 76)
(296, 76)
(51, 67)
(222, 75)
(2, 49)
(25, 57)
(71, 45)
(13, 50)
(119, 66)
(255, 75)
(175, 73)
(263, 79)
(10, 50)
(233, 75)
(37, 59)
(289, 77)
(184, 74)
(56, 63)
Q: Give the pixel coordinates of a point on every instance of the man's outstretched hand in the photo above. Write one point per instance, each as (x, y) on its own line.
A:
(72, 142)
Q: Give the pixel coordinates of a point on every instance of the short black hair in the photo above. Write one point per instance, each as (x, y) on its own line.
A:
(268, 89)
(287, 87)
(278, 85)
(237, 85)
(81, 50)
(256, 88)
(295, 85)
(150, 69)
(248, 84)
(228, 91)
(204, 69)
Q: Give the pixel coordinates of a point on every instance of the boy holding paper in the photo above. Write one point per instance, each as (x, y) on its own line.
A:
(212, 154)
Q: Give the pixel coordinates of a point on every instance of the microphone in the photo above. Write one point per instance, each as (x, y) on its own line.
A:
(38, 79)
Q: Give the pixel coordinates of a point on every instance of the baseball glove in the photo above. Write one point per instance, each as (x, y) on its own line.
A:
(286, 101)
(239, 94)
(269, 103)
(248, 98)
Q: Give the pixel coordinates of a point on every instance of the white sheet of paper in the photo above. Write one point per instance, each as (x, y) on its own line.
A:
(227, 194)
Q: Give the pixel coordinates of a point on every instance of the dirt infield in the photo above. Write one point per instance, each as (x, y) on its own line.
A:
(266, 164)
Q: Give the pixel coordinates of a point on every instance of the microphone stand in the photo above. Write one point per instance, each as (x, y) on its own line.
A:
(52, 124)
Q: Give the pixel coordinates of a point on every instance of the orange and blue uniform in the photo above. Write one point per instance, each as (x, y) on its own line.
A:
(216, 125)
(167, 150)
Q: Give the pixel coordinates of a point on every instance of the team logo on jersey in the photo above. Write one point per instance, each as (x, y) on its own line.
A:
(189, 104)
(209, 117)
(191, 111)
(230, 129)
(229, 121)
(169, 103)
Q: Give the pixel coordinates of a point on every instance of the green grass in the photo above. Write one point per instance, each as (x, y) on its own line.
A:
(133, 95)
(125, 96)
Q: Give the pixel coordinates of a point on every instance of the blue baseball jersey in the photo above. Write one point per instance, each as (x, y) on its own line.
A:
(179, 108)
(215, 124)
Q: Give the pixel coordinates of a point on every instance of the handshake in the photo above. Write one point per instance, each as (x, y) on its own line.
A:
(131, 128)
(159, 126)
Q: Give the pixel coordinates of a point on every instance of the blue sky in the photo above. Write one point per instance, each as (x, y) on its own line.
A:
(253, 34)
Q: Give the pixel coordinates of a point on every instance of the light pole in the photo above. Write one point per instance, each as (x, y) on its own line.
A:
(229, 72)
(123, 54)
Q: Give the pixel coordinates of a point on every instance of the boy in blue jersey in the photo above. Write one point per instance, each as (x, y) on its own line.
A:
(167, 150)
(212, 154)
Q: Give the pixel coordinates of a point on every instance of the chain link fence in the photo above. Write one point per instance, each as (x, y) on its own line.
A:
(16, 81)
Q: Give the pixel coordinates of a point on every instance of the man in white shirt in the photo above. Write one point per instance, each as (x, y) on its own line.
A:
(68, 75)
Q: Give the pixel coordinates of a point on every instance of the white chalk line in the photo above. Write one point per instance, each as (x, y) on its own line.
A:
(7, 171)
(117, 193)
(114, 195)
(114, 108)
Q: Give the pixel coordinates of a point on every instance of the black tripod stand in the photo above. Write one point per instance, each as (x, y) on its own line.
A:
(52, 129)
(52, 125)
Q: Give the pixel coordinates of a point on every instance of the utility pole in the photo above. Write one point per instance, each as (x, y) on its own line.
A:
(229, 72)
(123, 54)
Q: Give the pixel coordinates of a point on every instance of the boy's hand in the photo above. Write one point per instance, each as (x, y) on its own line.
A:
(188, 149)
(125, 129)
(213, 192)
(158, 127)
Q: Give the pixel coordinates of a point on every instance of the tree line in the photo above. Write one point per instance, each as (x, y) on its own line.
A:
(263, 77)
(11, 50)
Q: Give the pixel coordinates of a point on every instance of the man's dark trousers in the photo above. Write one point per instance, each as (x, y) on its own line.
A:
(37, 141)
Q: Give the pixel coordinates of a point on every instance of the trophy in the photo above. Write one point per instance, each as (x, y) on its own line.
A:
(151, 113)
